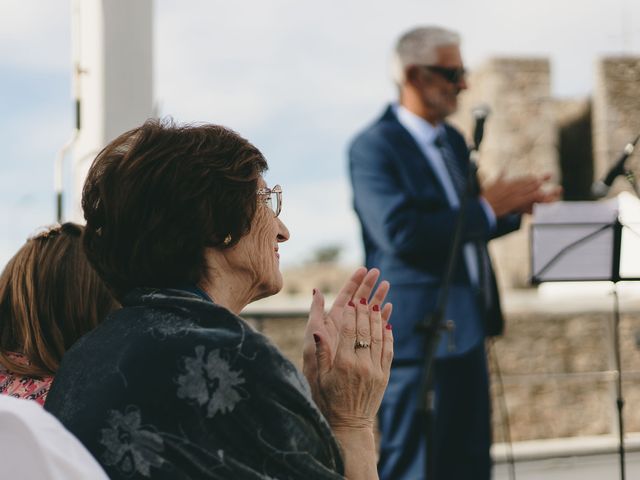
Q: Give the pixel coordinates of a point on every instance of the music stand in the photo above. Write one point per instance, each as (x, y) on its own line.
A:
(590, 241)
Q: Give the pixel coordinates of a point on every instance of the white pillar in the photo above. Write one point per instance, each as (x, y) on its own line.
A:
(113, 77)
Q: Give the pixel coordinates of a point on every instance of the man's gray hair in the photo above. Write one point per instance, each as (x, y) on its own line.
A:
(419, 46)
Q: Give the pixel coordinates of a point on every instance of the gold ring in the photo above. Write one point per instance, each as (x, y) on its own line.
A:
(361, 344)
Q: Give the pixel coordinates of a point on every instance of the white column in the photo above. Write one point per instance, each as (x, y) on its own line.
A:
(113, 61)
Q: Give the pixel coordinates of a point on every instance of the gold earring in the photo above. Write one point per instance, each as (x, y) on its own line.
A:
(227, 239)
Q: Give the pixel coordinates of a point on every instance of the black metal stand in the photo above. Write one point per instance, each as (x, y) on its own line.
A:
(618, 366)
(615, 277)
(434, 323)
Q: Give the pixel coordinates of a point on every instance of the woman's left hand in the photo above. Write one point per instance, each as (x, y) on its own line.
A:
(325, 328)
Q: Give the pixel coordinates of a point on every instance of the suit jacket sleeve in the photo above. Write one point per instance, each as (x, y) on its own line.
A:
(507, 224)
(399, 221)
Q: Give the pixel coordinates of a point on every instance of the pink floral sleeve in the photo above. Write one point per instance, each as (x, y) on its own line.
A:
(21, 386)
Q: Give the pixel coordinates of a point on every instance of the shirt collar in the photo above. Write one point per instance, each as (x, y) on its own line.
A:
(419, 128)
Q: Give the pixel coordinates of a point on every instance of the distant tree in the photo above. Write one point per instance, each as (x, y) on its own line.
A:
(327, 254)
(293, 289)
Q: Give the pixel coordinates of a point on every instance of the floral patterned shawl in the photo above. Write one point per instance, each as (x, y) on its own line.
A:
(175, 387)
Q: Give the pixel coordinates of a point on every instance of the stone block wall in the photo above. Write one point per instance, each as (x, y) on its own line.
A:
(555, 369)
(556, 364)
(520, 135)
(616, 113)
(557, 375)
(530, 132)
(520, 138)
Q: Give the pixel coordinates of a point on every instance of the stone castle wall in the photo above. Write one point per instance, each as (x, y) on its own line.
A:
(530, 132)
(616, 114)
(556, 371)
(556, 365)
(520, 138)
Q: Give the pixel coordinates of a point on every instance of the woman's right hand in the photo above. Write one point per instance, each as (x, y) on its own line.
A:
(347, 379)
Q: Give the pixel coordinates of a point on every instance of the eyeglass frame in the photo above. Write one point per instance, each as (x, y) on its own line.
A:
(451, 75)
(277, 189)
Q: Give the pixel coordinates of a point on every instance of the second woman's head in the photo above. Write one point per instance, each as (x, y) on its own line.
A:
(49, 297)
(172, 206)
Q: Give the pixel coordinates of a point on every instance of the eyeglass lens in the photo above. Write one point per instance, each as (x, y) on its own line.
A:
(273, 199)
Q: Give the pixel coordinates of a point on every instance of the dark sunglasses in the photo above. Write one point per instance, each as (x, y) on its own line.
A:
(451, 75)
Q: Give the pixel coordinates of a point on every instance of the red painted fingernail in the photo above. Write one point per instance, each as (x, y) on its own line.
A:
(351, 304)
(316, 338)
(314, 291)
(376, 308)
(388, 327)
(363, 301)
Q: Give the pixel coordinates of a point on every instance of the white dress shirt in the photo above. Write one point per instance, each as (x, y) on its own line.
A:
(425, 136)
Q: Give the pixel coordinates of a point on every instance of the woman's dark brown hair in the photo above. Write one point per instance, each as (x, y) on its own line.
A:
(158, 195)
(49, 297)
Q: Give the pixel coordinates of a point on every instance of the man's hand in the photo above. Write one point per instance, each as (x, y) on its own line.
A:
(518, 195)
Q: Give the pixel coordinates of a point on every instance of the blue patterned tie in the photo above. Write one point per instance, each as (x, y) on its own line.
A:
(480, 254)
(455, 170)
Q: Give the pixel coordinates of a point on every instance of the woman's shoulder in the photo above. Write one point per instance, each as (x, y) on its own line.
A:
(177, 342)
(176, 317)
(174, 330)
(159, 307)
(190, 373)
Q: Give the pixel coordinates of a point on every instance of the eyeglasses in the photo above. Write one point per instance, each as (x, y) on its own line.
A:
(273, 198)
(451, 75)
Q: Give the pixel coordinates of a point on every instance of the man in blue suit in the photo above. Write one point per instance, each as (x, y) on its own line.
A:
(409, 170)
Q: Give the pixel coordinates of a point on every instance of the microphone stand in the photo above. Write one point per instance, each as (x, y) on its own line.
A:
(600, 189)
(618, 366)
(434, 323)
(631, 178)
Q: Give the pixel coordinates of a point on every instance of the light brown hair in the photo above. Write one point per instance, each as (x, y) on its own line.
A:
(49, 297)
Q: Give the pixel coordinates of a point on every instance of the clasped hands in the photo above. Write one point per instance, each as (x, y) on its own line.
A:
(518, 195)
(348, 351)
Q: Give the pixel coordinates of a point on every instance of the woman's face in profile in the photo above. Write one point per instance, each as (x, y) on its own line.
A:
(257, 252)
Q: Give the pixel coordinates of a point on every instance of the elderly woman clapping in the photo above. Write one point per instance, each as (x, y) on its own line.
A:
(183, 229)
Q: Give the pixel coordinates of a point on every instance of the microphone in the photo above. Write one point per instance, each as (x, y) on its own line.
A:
(480, 114)
(601, 187)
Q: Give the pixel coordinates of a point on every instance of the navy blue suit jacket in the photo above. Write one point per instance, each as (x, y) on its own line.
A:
(407, 227)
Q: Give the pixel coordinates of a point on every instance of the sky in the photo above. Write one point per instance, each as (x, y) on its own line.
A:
(297, 78)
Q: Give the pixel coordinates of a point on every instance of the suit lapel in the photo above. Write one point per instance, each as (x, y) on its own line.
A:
(418, 166)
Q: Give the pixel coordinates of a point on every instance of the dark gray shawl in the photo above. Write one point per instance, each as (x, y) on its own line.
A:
(173, 386)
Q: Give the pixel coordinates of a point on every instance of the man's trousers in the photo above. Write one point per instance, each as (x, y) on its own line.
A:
(462, 424)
